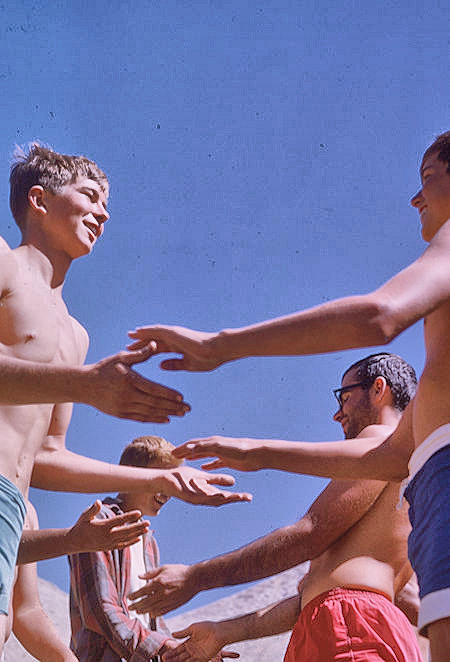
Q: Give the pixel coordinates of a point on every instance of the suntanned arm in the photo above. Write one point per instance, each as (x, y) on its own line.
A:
(207, 638)
(31, 625)
(88, 534)
(368, 456)
(332, 514)
(357, 321)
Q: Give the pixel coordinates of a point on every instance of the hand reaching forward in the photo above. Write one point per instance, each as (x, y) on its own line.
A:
(195, 346)
(240, 454)
(115, 388)
(90, 534)
(197, 487)
(167, 588)
(204, 645)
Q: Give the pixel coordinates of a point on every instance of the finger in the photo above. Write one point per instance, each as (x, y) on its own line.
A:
(139, 355)
(220, 479)
(131, 530)
(137, 344)
(214, 464)
(232, 654)
(126, 518)
(160, 395)
(150, 574)
(92, 511)
(128, 543)
(173, 364)
(181, 634)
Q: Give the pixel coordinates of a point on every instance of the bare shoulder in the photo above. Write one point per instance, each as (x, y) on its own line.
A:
(82, 338)
(8, 263)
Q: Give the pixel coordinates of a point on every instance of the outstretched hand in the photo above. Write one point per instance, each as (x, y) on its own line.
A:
(198, 487)
(115, 388)
(90, 534)
(240, 454)
(195, 347)
(167, 588)
(203, 645)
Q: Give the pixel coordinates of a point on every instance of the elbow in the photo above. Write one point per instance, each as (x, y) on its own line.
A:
(385, 320)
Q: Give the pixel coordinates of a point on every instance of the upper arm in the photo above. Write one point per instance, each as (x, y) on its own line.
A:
(337, 509)
(419, 289)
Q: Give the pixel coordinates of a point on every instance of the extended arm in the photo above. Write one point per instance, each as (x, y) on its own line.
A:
(336, 509)
(86, 535)
(367, 456)
(57, 468)
(357, 321)
(207, 638)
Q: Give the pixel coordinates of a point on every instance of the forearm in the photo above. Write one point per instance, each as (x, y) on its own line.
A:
(269, 555)
(274, 619)
(358, 321)
(37, 633)
(62, 470)
(27, 382)
(45, 544)
(361, 458)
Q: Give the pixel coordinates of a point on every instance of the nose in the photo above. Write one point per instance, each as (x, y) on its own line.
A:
(417, 199)
(338, 415)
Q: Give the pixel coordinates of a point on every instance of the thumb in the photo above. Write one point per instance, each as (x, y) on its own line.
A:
(92, 511)
(150, 574)
(139, 355)
(181, 634)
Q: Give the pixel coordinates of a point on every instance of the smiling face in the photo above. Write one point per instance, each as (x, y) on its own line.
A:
(149, 504)
(433, 199)
(356, 411)
(75, 216)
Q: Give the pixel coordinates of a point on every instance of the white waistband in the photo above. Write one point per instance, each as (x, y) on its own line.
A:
(431, 445)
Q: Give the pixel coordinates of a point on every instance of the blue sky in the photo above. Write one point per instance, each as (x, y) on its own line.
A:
(262, 156)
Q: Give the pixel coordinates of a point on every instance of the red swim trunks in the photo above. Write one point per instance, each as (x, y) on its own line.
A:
(350, 625)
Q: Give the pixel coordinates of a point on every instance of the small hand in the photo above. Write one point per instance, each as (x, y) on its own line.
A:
(195, 346)
(168, 587)
(115, 388)
(240, 454)
(91, 534)
(197, 487)
(203, 645)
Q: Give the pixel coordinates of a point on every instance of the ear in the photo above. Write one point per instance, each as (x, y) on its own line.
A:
(380, 388)
(36, 199)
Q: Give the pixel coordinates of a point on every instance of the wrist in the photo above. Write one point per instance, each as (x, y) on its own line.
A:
(82, 383)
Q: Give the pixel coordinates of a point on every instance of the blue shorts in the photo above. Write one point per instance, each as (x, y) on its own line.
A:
(428, 495)
(12, 517)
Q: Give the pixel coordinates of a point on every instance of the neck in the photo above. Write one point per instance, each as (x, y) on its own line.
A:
(51, 265)
(389, 416)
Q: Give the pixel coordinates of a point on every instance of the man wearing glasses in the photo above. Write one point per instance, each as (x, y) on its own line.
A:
(354, 534)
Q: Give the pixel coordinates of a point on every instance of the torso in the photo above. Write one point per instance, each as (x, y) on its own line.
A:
(432, 401)
(34, 326)
(372, 555)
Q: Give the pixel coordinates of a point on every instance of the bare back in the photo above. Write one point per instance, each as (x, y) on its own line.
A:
(34, 326)
(372, 554)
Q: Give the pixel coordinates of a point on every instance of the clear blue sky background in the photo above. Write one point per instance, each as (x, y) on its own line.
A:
(261, 156)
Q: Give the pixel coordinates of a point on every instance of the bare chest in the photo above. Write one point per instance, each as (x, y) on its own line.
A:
(35, 325)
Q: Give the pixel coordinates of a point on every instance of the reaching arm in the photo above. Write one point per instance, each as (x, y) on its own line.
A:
(357, 321)
(332, 514)
(86, 535)
(207, 638)
(367, 456)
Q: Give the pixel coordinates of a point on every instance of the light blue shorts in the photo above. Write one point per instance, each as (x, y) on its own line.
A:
(428, 495)
(12, 517)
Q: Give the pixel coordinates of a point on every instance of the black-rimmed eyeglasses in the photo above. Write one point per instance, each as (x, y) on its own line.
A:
(339, 391)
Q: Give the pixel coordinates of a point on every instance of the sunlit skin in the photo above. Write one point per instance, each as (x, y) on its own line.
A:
(369, 555)
(420, 291)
